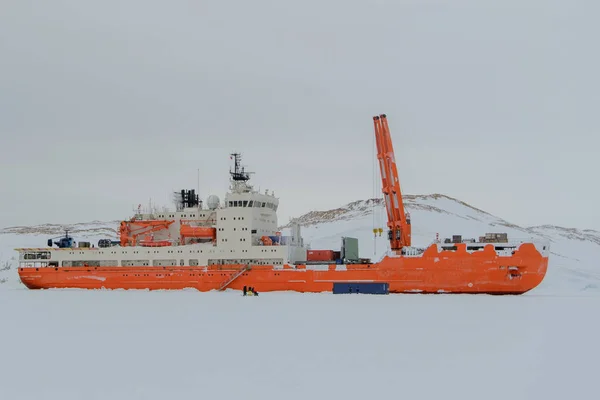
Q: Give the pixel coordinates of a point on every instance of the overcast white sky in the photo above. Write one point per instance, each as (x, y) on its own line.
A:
(106, 104)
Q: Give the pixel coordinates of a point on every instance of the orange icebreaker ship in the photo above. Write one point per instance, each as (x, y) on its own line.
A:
(236, 244)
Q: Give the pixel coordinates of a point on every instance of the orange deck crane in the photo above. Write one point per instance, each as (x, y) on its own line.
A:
(129, 236)
(399, 229)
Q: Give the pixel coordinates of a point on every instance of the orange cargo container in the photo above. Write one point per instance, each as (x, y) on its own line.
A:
(319, 255)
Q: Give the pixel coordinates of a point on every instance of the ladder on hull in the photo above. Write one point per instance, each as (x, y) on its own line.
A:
(233, 277)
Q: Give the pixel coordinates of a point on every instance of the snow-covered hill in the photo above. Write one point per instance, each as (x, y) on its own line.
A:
(573, 265)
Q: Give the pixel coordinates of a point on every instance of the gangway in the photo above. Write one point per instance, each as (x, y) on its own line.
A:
(233, 277)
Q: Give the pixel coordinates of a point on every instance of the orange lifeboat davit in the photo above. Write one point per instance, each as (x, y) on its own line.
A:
(129, 231)
(155, 243)
(149, 241)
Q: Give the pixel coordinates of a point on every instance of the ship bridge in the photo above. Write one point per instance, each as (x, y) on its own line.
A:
(252, 199)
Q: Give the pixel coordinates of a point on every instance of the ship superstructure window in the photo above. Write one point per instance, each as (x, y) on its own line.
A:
(40, 255)
(33, 264)
(133, 263)
(91, 263)
(165, 263)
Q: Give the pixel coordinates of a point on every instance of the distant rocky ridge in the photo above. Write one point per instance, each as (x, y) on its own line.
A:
(84, 229)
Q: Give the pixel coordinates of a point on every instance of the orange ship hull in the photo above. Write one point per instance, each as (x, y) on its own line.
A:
(434, 272)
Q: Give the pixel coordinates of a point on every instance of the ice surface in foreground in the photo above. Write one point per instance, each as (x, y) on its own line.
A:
(75, 344)
(185, 345)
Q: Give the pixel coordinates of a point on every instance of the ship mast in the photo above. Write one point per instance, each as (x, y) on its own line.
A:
(399, 229)
(239, 176)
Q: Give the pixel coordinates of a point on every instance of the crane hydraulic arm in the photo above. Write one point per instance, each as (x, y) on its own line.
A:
(129, 236)
(399, 229)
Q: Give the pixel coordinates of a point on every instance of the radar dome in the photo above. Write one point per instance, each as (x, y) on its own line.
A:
(213, 202)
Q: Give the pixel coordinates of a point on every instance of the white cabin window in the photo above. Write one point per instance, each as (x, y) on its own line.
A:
(165, 263)
(134, 263)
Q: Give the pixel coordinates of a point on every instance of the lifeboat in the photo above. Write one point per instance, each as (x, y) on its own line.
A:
(198, 232)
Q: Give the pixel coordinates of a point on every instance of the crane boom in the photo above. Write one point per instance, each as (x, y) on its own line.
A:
(399, 229)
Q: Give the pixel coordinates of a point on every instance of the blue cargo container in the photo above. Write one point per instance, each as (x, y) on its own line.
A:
(361, 287)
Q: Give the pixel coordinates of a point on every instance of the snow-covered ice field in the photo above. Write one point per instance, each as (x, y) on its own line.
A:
(69, 344)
